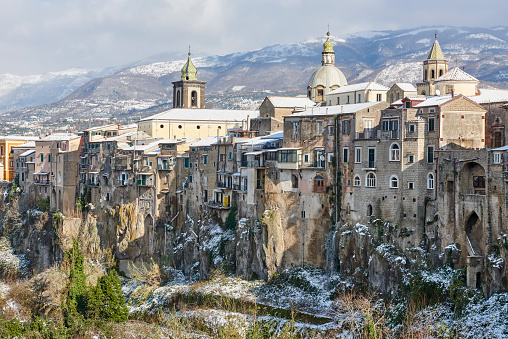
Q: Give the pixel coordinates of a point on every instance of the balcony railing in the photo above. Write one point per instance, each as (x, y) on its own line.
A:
(123, 182)
(221, 184)
(42, 181)
(217, 204)
(165, 167)
(367, 135)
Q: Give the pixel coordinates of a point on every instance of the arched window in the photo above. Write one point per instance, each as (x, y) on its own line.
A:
(348, 209)
(371, 180)
(357, 181)
(425, 77)
(309, 93)
(294, 181)
(319, 184)
(440, 72)
(178, 99)
(424, 93)
(369, 210)
(432, 73)
(194, 98)
(394, 182)
(394, 152)
(430, 181)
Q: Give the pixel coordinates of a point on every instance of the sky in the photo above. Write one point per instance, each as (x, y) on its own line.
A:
(39, 36)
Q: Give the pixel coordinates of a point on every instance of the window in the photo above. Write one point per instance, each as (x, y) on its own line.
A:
(369, 210)
(348, 99)
(319, 127)
(411, 185)
(430, 181)
(371, 180)
(330, 157)
(331, 130)
(230, 155)
(319, 184)
(345, 127)
(411, 128)
(345, 153)
(186, 163)
(294, 135)
(194, 98)
(432, 124)
(432, 110)
(359, 98)
(378, 97)
(407, 104)
(411, 158)
(306, 158)
(287, 155)
(338, 101)
(358, 155)
(386, 125)
(394, 182)
(372, 157)
(49, 157)
(294, 181)
(432, 73)
(356, 181)
(430, 154)
(497, 158)
(394, 152)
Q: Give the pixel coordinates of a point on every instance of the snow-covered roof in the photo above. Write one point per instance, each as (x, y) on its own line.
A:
(290, 102)
(148, 146)
(27, 153)
(490, 96)
(189, 114)
(434, 101)
(265, 139)
(406, 86)
(60, 137)
(360, 87)
(334, 110)
(456, 74)
(412, 98)
(18, 137)
(30, 144)
(502, 148)
(204, 142)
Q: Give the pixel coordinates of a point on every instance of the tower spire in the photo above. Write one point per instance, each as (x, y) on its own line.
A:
(189, 71)
(328, 52)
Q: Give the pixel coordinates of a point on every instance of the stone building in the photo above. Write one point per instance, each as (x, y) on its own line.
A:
(6, 154)
(356, 94)
(434, 67)
(400, 90)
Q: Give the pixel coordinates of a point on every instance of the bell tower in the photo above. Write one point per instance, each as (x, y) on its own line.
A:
(434, 67)
(189, 92)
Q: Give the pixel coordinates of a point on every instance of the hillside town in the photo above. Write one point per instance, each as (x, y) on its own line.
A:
(426, 163)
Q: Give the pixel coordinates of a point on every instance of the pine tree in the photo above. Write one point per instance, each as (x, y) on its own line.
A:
(76, 303)
(106, 301)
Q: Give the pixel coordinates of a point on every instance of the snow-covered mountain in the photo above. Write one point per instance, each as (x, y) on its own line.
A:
(382, 56)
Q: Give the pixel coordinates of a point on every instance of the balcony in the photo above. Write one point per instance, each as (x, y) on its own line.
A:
(219, 205)
(224, 185)
(390, 135)
(42, 181)
(165, 167)
(123, 182)
(367, 135)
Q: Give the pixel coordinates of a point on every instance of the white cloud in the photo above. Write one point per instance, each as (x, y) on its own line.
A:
(40, 36)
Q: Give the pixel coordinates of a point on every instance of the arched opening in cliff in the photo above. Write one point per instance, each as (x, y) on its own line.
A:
(472, 179)
(474, 233)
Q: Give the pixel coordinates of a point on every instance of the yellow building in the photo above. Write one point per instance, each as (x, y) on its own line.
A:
(6, 154)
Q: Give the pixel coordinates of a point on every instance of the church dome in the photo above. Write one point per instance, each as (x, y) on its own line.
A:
(189, 71)
(327, 76)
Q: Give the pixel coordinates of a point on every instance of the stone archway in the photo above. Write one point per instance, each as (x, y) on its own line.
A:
(472, 180)
(473, 230)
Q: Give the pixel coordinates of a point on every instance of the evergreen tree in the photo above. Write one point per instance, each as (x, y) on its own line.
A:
(106, 301)
(76, 303)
